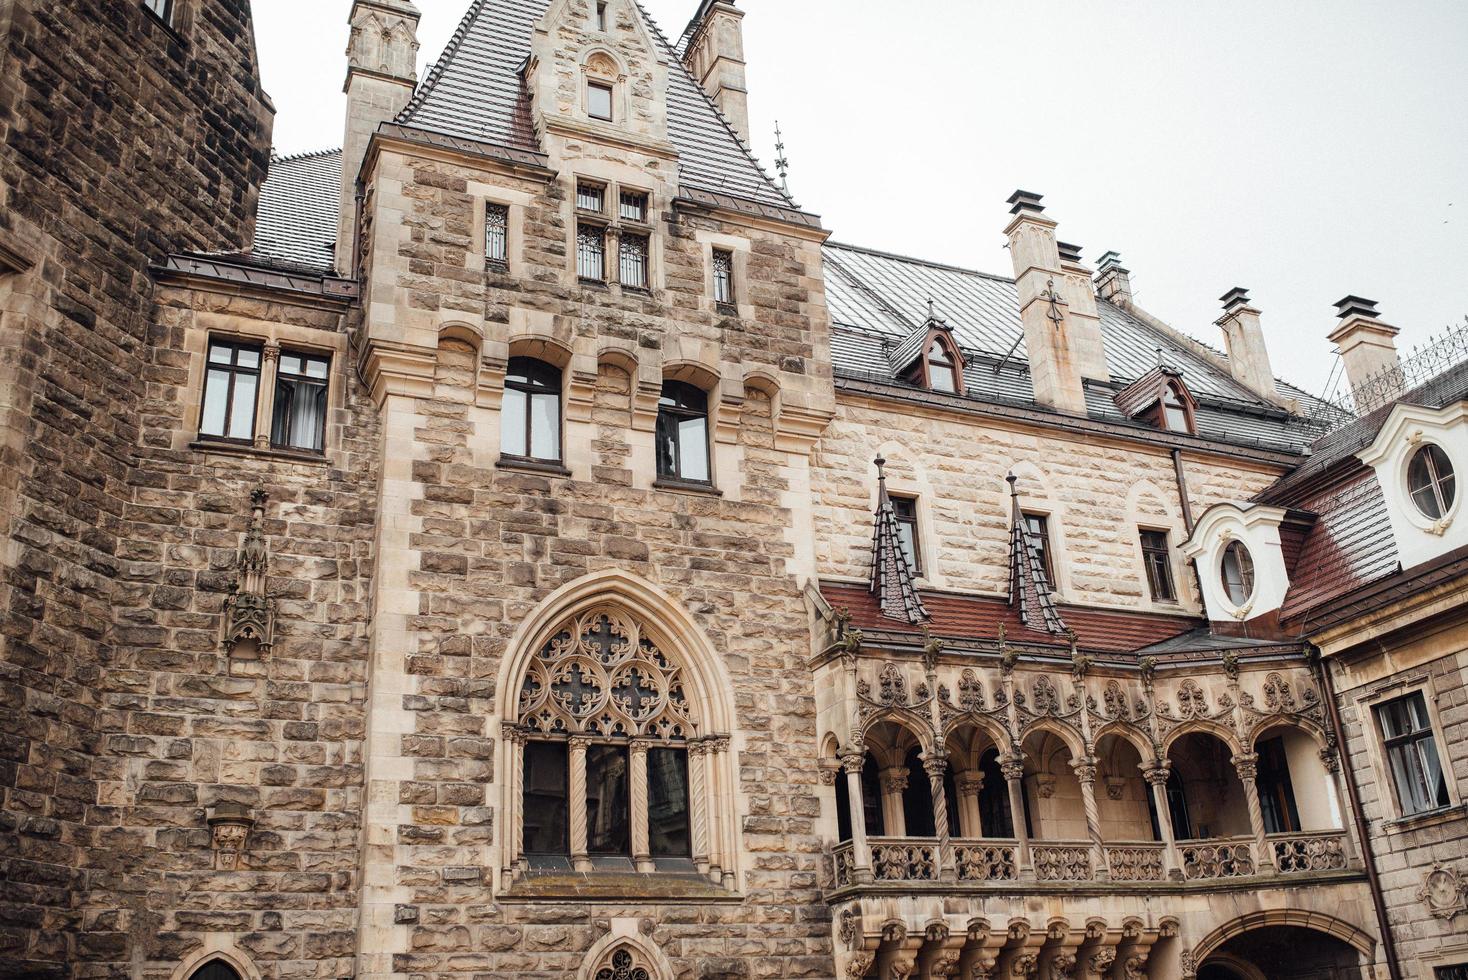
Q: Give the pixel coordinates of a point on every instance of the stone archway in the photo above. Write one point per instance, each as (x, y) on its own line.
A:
(1284, 950)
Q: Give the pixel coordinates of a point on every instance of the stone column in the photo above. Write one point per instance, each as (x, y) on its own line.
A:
(1247, 766)
(861, 851)
(265, 394)
(576, 803)
(1013, 767)
(1331, 759)
(935, 768)
(698, 805)
(1085, 770)
(515, 829)
(894, 782)
(1156, 777)
(719, 747)
(970, 817)
(637, 777)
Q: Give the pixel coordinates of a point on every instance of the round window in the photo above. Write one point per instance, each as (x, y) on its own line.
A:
(1430, 481)
(1238, 573)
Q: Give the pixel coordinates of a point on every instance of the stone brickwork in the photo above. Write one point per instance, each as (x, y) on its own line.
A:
(99, 110)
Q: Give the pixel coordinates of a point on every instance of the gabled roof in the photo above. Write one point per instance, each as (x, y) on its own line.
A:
(892, 583)
(1147, 390)
(475, 91)
(1029, 584)
(299, 207)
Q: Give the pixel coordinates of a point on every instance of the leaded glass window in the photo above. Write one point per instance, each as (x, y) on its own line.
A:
(497, 234)
(723, 277)
(623, 967)
(633, 251)
(591, 253)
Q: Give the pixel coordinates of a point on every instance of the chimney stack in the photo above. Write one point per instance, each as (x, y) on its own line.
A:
(1368, 346)
(382, 69)
(1243, 336)
(1044, 308)
(1085, 318)
(1113, 281)
(714, 56)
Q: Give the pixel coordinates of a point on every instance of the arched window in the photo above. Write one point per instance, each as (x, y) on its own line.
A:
(1175, 414)
(1238, 573)
(1431, 481)
(682, 433)
(607, 778)
(942, 367)
(215, 970)
(623, 967)
(530, 416)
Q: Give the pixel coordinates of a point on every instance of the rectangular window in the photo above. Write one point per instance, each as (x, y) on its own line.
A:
(299, 416)
(608, 809)
(1458, 972)
(1411, 754)
(907, 532)
(682, 433)
(723, 277)
(547, 788)
(230, 389)
(1158, 563)
(599, 101)
(633, 251)
(1276, 791)
(162, 9)
(667, 803)
(634, 206)
(497, 234)
(1039, 532)
(601, 15)
(591, 197)
(591, 253)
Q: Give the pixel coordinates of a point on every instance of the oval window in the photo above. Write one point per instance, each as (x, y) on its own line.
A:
(1238, 573)
(1430, 481)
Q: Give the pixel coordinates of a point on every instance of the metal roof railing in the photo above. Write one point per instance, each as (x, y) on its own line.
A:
(1426, 374)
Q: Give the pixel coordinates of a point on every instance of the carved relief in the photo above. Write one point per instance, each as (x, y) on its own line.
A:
(249, 609)
(1445, 892)
(230, 825)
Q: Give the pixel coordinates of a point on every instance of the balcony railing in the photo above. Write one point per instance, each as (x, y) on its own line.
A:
(1065, 861)
(985, 860)
(904, 859)
(1300, 853)
(1209, 859)
(1137, 861)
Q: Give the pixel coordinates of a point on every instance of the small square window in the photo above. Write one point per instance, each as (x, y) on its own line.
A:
(634, 206)
(599, 100)
(591, 197)
(162, 9)
(496, 234)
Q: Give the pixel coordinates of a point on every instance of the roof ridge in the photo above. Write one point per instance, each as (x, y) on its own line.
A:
(917, 261)
(304, 155)
(445, 58)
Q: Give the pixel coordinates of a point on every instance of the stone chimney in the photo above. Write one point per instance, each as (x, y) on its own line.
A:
(714, 56)
(1113, 281)
(1085, 318)
(1369, 348)
(1043, 306)
(382, 69)
(1248, 357)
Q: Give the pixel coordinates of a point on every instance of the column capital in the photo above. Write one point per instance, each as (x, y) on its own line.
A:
(271, 352)
(1085, 768)
(1157, 775)
(1013, 767)
(1247, 765)
(893, 780)
(969, 781)
(852, 759)
(641, 744)
(935, 766)
(579, 742)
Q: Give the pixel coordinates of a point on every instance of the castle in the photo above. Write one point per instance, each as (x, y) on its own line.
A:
(524, 542)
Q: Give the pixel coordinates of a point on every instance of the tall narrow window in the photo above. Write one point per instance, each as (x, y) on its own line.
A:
(601, 15)
(530, 415)
(591, 197)
(633, 252)
(667, 804)
(1158, 563)
(634, 206)
(599, 100)
(1411, 753)
(905, 508)
(723, 277)
(497, 235)
(299, 415)
(162, 9)
(942, 369)
(1458, 972)
(1175, 412)
(607, 804)
(230, 389)
(1276, 791)
(1038, 526)
(1237, 573)
(682, 433)
(1430, 480)
(545, 808)
(591, 253)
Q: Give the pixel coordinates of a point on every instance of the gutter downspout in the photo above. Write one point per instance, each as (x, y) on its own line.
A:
(1388, 945)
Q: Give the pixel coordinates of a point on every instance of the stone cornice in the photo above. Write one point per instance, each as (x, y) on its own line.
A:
(221, 274)
(454, 149)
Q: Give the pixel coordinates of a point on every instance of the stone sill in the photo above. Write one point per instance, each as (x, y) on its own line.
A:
(1430, 818)
(244, 449)
(521, 463)
(616, 886)
(687, 486)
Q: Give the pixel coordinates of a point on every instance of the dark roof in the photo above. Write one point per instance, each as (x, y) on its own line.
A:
(1350, 545)
(299, 206)
(1029, 583)
(475, 91)
(981, 617)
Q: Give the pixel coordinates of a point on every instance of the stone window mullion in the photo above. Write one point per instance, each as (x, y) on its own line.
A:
(637, 774)
(698, 805)
(577, 804)
(265, 401)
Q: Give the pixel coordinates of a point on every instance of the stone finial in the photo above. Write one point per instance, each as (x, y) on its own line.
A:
(249, 610)
(230, 824)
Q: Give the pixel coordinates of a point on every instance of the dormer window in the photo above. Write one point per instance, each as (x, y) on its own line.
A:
(599, 100)
(1431, 482)
(942, 371)
(1175, 414)
(1237, 573)
(1160, 399)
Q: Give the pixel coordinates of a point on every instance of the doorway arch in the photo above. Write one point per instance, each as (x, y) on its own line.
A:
(1286, 945)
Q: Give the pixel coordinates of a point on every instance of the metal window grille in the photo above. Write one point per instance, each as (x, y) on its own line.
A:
(634, 206)
(162, 9)
(1457, 972)
(1411, 750)
(591, 197)
(591, 253)
(1158, 563)
(496, 233)
(723, 276)
(634, 261)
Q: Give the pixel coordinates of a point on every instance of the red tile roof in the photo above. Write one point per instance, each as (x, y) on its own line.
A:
(979, 618)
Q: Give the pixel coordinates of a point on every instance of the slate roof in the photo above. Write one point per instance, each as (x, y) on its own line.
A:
(299, 207)
(1029, 585)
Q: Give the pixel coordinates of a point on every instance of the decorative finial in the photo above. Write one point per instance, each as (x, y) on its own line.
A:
(1054, 314)
(881, 474)
(1013, 482)
(782, 165)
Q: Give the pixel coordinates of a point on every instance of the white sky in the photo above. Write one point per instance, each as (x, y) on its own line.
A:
(1304, 149)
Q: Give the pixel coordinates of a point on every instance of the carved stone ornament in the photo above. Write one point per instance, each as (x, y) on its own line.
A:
(850, 929)
(859, 965)
(249, 611)
(1445, 892)
(230, 824)
(623, 966)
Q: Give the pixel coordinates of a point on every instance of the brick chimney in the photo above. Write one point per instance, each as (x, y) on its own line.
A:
(1044, 308)
(714, 56)
(1113, 281)
(382, 69)
(1248, 357)
(1368, 346)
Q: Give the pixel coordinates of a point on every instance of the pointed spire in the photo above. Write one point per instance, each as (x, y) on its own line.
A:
(1029, 586)
(891, 574)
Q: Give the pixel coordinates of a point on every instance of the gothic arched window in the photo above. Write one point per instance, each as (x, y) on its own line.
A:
(942, 366)
(1175, 413)
(215, 970)
(622, 967)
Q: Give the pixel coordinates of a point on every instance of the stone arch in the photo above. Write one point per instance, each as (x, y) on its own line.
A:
(542, 348)
(1138, 738)
(599, 61)
(216, 949)
(981, 725)
(914, 725)
(1218, 730)
(1063, 732)
(460, 332)
(693, 372)
(641, 954)
(1353, 936)
(618, 357)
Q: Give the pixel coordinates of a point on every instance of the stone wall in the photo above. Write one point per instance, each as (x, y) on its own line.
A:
(120, 141)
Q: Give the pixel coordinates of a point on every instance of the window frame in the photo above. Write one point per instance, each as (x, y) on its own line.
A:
(912, 523)
(1160, 559)
(164, 16)
(1179, 404)
(610, 88)
(324, 383)
(587, 229)
(728, 302)
(584, 189)
(644, 200)
(234, 370)
(932, 367)
(1445, 500)
(683, 415)
(530, 392)
(1431, 733)
(501, 261)
(624, 239)
(1248, 573)
(1047, 543)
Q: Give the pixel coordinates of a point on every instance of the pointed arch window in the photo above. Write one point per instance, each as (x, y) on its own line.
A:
(215, 970)
(942, 366)
(1176, 415)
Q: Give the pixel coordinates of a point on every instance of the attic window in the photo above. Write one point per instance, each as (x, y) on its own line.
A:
(1175, 414)
(599, 100)
(1237, 573)
(1430, 480)
(942, 369)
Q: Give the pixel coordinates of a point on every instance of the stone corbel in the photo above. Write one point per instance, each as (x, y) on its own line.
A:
(398, 369)
(798, 429)
(230, 825)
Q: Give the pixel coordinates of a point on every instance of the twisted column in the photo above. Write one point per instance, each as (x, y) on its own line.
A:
(1013, 767)
(577, 803)
(861, 852)
(698, 805)
(515, 831)
(1085, 770)
(935, 767)
(1247, 766)
(637, 777)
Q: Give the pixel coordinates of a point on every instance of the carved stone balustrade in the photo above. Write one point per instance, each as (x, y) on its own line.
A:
(985, 860)
(1309, 852)
(1064, 861)
(901, 859)
(1137, 861)
(1211, 859)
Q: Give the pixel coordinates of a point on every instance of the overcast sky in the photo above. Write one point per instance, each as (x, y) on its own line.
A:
(1304, 149)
